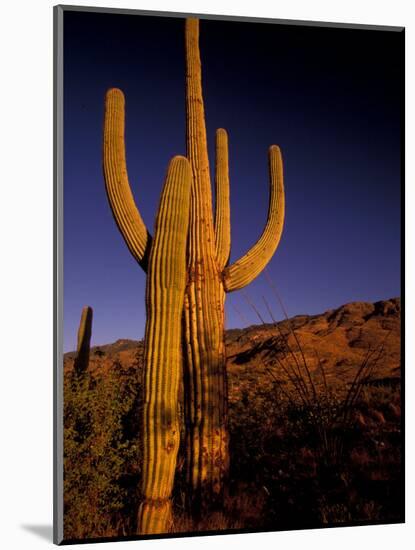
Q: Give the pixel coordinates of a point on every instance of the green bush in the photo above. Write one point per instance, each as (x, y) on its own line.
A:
(101, 452)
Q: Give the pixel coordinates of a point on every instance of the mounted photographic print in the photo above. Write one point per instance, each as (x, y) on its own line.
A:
(228, 275)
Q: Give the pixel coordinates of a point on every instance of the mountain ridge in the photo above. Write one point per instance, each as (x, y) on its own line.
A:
(341, 337)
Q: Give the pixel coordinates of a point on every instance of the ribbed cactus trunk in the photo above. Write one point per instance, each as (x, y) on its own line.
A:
(166, 282)
(205, 372)
(84, 341)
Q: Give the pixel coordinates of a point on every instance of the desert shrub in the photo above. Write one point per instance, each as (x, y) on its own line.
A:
(101, 452)
(306, 449)
(325, 450)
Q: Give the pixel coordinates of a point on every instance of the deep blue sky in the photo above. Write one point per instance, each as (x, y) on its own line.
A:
(331, 98)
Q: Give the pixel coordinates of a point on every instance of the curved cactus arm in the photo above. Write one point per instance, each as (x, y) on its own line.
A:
(84, 341)
(125, 212)
(166, 283)
(222, 206)
(243, 271)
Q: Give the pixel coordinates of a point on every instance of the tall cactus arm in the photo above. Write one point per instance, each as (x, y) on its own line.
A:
(222, 206)
(125, 212)
(202, 236)
(243, 271)
(166, 283)
(84, 341)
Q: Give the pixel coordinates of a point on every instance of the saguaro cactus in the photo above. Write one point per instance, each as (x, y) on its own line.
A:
(166, 283)
(209, 279)
(206, 281)
(164, 259)
(84, 341)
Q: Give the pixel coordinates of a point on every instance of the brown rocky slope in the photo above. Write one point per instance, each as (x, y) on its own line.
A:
(340, 338)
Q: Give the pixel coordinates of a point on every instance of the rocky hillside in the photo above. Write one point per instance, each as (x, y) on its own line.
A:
(338, 340)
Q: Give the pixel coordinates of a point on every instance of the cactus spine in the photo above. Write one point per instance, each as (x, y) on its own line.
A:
(84, 341)
(204, 284)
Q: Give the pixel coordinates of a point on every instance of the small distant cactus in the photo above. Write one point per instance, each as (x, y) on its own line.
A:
(84, 341)
(186, 286)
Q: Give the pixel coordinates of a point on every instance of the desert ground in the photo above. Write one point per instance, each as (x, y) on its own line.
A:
(314, 419)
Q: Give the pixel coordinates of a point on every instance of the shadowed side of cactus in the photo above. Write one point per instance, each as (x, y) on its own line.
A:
(166, 282)
(84, 341)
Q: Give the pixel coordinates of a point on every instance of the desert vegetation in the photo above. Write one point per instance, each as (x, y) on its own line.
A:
(311, 444)
(285, 424)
